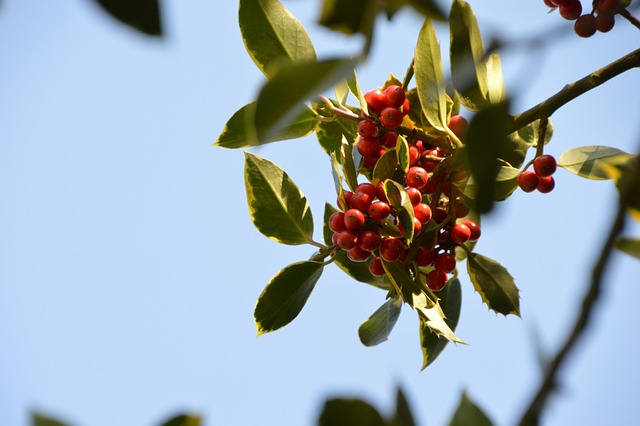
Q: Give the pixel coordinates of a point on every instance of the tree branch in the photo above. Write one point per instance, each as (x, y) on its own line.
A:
(573, 90)
(531, 416)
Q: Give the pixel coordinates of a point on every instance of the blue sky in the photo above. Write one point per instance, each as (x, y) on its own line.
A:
(129, 267)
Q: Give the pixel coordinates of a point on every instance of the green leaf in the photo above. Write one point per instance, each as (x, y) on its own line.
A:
(235, 133)
(402, 152)
(430, 77)
(401, 280)
(38, 419)
(282, 97)
(623, 170)
(403, 415)
(494, 284)
(354, 88)
(183, 420)
(272, 34)
(330, 133)
(385, 166)
(429, 8)
(141, 15)
(506, 182)
(349, 412)
(359, 271)
(399, 200)
(278, 208)
(495, 79)
(591, 161)
(433, 317)
(349, 17)
(487, 132)
(377, 327)
(451, 301)
(629, 246)
(469, 414)
(513, 149)
(286, 294)
(468, 67)
(348, 164)
(529, 133)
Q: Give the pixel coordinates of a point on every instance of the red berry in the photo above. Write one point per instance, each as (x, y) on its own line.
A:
(422, 212)
(358, 255)
(545, 165)
(416, 177)
(347, 198)
(475, 229)
(585, 26)
(571, 9)
(440, 214)
(379, 210)
(445, 262)
(375, 267)
(528, 181)
(546, 184)
(354, 219)
(376, 100)
(347, 239)
(389, 140)
(391, 249)
(605, 22)
(370, 162)
(458, 125)
(460, 233)
(425, 256)
(380, 192)
(391, 117)
(414, 195)
(406, 107)
(336, 222)
(367, 128)
(367, 188)
(368, 147)
(361, 201)
(368, 240)
(414, 155)
(436, 280)
(550, 4)
(608, 6)
(394, 95)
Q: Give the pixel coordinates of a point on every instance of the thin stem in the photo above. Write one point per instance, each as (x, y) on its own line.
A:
(629, 17)
(571, 91)
(531, 417)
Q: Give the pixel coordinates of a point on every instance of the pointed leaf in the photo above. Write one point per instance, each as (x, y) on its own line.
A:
(385, 166)
(469, 414)
(183, 420)
(468, 67)
(38, 419)
(235, 133)
(330, 133)
(494, 284)
(349, 412)
(402, 153)
(487, 132)
(629, 246)
(285, 295)
(378, 326)
(433, 316)
(282, 98)
(403, 411)
(399, 199)
(141, 15)
(590, 161)
(430, 77)
(278, 208)
(497, 92)
(450, 301)
(272, 34)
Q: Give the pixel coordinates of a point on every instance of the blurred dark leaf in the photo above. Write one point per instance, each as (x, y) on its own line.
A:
(469, 414)
(142, 15)
(183, 420)
(403, 411)
(43, 420)
(349, 412)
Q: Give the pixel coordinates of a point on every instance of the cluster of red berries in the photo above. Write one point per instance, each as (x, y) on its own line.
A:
(602, 18)
(540, 178)
(368, 228)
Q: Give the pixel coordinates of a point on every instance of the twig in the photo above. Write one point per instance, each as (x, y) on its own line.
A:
(629, 17)
(573, 90)
(531, 416)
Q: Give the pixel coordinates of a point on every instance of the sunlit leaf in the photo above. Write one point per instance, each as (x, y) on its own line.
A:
(468, 67)
(378, 326)
(450, 301)
(349, 412)
(530, 133)
(402, 152)
(434, 318)
(494, 284)
(429, 77)
(629, 246)
(235, 133)
(497, 92)
(348, 164)
(399, 200)
(142, 15)
(285, 295)
(282, 97)
(278, 208)
(590, 161)
(469, 414)
(330, 133)
(272, 34)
